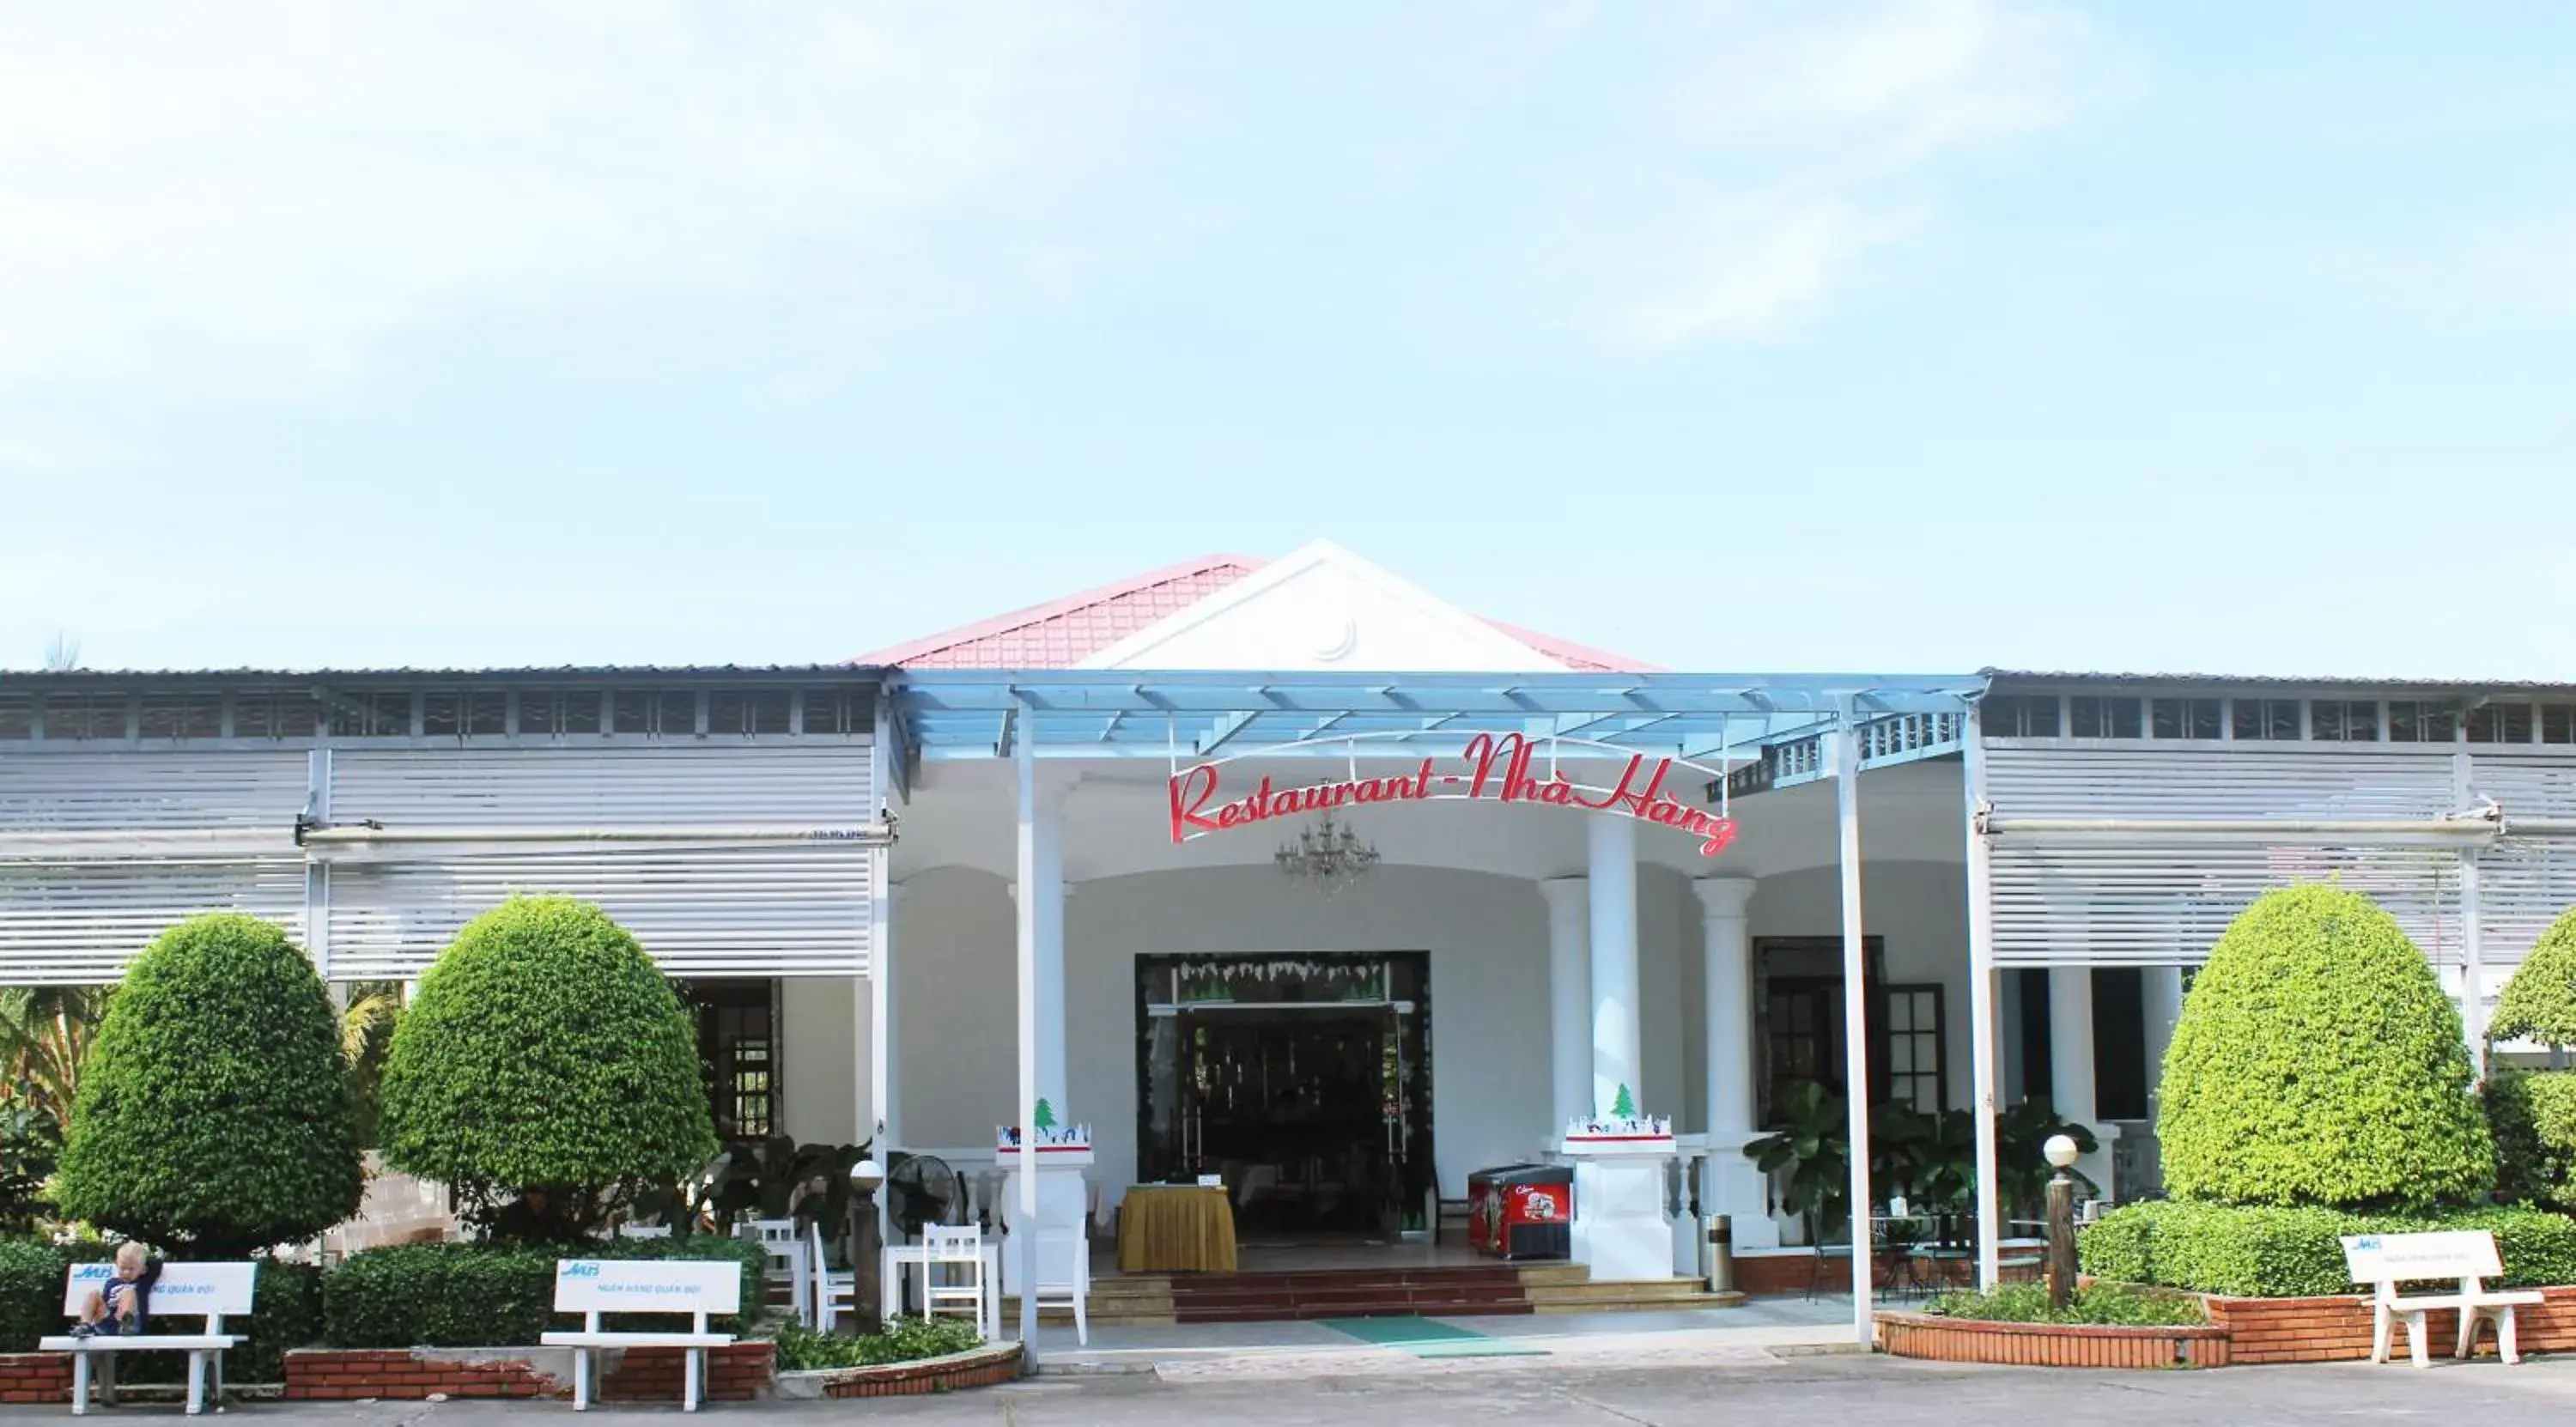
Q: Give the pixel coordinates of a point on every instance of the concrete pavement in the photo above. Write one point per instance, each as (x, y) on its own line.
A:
(1747, 1385)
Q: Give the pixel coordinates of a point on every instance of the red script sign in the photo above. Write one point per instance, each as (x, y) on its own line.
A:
(1492, 769)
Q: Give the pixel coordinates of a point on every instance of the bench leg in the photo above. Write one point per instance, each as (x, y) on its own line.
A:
(196, 1384)
(690, 1365)
(80, 1384)
(2468, 1335)
(2505, 1347)
(581, 1379)
(2416, 1323)
(2380, 1323)
(107, 1379)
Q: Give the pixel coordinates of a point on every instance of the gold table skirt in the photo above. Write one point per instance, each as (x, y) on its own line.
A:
(1176, 1229)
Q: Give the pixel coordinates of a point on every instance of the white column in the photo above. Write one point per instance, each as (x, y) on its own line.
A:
(884, 1104)
(1985, 1048)
(1615, 1022)
(1569, 990)
(1855, 1018)
(2070, 1065)
(1062, 1205)
(1026, 1255)
(1731, 1186)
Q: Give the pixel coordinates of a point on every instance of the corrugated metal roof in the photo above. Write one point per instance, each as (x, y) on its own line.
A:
(2386, 685)
(515, 674)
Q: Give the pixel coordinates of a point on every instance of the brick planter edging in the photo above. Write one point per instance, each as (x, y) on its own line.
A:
(2337, 1329)
(736, 1373)
(2051, 1345)
(988, 1366)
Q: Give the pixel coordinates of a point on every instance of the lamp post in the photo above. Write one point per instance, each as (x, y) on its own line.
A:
(2061, 1152)
(865, 1248)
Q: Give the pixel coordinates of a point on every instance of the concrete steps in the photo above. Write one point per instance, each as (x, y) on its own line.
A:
(1472, 1290)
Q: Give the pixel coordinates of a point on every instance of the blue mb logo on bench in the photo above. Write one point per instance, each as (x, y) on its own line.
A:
(581, 1270)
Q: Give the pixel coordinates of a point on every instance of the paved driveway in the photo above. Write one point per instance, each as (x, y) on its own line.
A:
(1829, 1391)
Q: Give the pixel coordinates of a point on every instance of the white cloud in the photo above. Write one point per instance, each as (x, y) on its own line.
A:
(256, 194)
(1774, 152)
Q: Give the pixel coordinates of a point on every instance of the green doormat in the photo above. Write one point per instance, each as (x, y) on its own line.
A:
(1425, 1338)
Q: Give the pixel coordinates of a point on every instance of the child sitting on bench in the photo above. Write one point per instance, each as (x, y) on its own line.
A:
(119, 1306)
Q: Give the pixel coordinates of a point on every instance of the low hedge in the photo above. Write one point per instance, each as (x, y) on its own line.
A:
(286, 1312)
(468, 1295)
(2262, 1252)
(905, 1340)
(2099, 1304)
(31, 1292)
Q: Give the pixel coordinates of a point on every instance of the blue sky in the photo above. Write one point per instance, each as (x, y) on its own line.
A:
(1737, 336)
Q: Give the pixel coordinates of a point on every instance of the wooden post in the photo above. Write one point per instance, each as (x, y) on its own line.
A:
(2061, 1240)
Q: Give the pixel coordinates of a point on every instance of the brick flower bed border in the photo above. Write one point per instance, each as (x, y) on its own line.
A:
(2051, 1345)
(736, 1373)
(2241, 1331)
(988, 1366)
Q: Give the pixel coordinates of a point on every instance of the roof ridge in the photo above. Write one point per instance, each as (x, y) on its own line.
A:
(1022, 618)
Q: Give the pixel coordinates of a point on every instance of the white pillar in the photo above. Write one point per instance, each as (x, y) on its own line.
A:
(1615, 1021)
(1985, 1047)
(1855, 1019)
(1026, 1256)
(2070, 1065)
(1569, 991)
(1055, 1228)
(884, 1104)
(1621, 1231)
(1732, 1186)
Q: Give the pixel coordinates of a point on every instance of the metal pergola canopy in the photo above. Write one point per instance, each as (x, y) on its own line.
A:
(975, 714)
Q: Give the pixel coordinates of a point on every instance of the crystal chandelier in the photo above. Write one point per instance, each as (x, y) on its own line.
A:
(1328, 855)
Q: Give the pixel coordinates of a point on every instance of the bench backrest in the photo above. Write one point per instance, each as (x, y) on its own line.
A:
(2399, 1258)
(702, 1288)
(207, 1290)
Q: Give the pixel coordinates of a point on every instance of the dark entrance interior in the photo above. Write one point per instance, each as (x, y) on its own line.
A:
(1303, 1082)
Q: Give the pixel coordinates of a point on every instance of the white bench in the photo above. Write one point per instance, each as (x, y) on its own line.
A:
(699, 1288)
(212, 1291)
(2465, 1256)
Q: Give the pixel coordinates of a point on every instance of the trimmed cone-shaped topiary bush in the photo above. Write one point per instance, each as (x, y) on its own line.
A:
(2539, 1003)
(544, 1052)
(2318, 1062)
(213, 1116)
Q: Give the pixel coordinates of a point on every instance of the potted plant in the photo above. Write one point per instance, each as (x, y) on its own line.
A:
(1815, 1148)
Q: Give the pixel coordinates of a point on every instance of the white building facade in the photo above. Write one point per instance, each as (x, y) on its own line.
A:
(918, 894)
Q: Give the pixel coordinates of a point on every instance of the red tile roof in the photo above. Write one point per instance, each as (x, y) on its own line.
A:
(1061, 633)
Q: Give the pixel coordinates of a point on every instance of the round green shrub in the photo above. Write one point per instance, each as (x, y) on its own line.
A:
(213, 1116)
(2532, 1115)
(2539, 1003)
(544, 1052)
(2317, 1062)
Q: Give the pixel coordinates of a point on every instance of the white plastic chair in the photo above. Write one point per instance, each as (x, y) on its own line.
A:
(835, 1290)
(786, 1262)
(957, 1249)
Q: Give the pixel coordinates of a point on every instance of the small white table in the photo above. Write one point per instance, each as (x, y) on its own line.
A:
(892, 1298)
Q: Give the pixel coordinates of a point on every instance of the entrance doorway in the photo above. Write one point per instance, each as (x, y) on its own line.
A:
(1304, 1082)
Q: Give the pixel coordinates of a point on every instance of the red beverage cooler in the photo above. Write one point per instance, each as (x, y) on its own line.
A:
(1522, 1211)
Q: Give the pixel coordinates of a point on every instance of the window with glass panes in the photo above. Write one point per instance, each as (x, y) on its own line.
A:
(2343, 720)
(2019, 716)
(738, 1053)
(2185, 718)
(2103, 716)
(1910, 1046)
(2265, 720)
(2500, 723)
(2419, 721)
